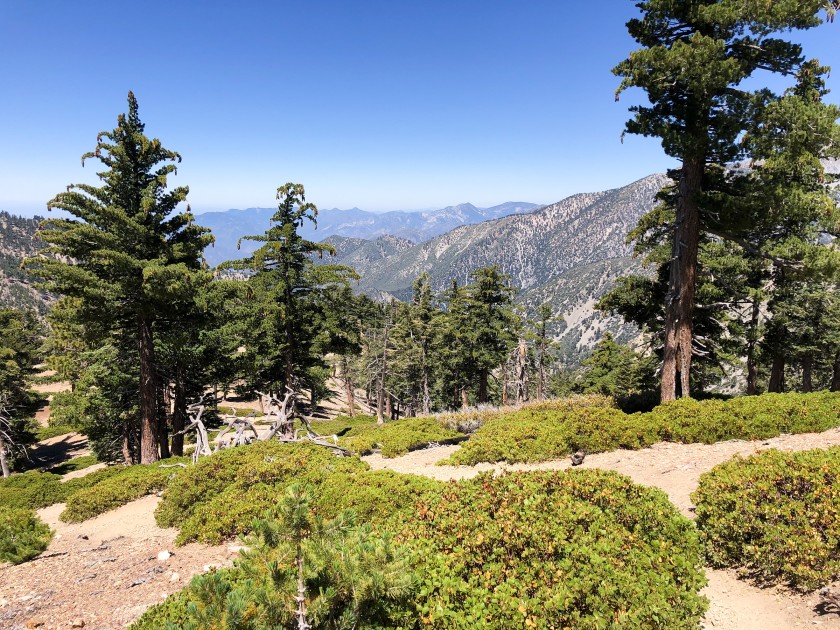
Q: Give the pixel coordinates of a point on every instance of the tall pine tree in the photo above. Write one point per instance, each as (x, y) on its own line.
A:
(126, 252)
(695, 56)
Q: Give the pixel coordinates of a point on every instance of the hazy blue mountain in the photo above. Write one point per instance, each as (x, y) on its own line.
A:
(416, 226)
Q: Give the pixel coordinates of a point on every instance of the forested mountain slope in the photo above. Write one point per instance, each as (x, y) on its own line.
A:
(532, 248)
(17, 241)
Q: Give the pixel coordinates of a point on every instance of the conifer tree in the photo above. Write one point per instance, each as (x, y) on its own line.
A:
(284, 307)
(20, 340)
(696, 54)
(491, 325)
(126, 252)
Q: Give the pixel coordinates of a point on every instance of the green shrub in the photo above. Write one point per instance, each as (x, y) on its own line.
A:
(747, 417)
(77, 463)
(534, 434)
(374, 495)
(219, 497)
(580, 549)
(341, 422)
(32, 490)
(471, 419)
(397, 437)
(45, 433)
(775, 515)
(22, 535)
(120, 485)
(353, 577)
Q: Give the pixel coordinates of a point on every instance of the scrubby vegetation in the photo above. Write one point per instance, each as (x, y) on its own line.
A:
(774, 515)
(72, 465)
(220, 496)
(120, 486)
(45, 433)
(583, 549)
(87, 496)
(32, 490)
(530, 436)
(352, 577)
(397, 437)
(580, 549)
(22, 535)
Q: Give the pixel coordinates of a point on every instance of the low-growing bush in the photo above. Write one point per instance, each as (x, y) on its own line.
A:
(471, 419)
(32, 490)
(345, 425)
(746, 417)
(774, 515)
(116, 487)
(22, 535)
(353, 577)
(397, 437)
(579, 549)
(45, 433)
(219, 497)
(72, 465)
(532, 434)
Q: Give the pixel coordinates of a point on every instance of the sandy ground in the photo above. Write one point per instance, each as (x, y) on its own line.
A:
(675, 468)
(104, 572)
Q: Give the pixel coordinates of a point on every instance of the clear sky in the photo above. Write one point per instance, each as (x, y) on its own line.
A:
(383, 105)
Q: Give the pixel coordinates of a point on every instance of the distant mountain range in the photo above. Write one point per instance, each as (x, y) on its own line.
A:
(567, 254)
(415, 226)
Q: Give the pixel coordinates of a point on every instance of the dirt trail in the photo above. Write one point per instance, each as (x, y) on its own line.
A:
(104, 572)
(676, 469)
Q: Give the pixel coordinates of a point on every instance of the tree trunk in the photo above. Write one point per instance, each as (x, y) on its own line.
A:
(679, 302)
(808, 372)
(835, 375)
(179, 413)
(148, 393)
(163, 421)
(465, 399)
(427, 398)
(541, 370)
(348, 386)
(389, 407)
(127, 454)
(482, 386)
(380, 393)
(505, 383)
(522, 372)
(777, 375)
(4, 464)
(752, 338)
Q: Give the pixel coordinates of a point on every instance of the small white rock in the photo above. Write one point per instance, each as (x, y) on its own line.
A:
(235, 548)
(164, 555)
(210, 567)
(174, 577)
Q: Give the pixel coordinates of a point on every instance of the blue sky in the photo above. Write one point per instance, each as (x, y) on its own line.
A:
(381, 105)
